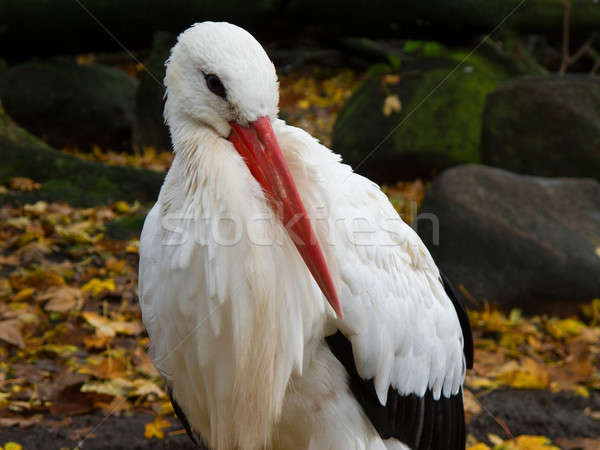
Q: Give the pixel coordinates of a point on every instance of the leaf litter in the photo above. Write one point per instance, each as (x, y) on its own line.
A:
(72, 340)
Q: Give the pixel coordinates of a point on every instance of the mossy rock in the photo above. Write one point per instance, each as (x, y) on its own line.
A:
(544, 125)
(439, 123)
(149, 126)
(66, 178)
(68, 104)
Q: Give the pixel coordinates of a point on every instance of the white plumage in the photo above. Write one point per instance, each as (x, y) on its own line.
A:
(236, 320)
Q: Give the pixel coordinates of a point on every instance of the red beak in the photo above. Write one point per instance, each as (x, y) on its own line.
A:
(259, 148)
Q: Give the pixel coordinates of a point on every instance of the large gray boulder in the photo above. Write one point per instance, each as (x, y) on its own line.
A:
(518, 241)
(68, 104)
(544, 125)
(436, 122)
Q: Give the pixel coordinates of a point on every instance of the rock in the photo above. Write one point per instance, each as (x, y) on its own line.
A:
(438, 124)
(149, 126)
(66, 178)
(544, 125)
(515, 240)
(68, 104)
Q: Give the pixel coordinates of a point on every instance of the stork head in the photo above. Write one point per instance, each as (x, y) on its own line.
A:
(218, 73)
(218, 76)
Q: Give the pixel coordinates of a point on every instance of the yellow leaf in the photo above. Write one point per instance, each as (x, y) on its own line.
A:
(511, 340)
(565, 327)
(391, 104)
(480, 446)
(527, 375)
(24, 294)
(117, 387)
(12, 446)
(525, 442)
(97, 286)
(303, 104)
(122, 207)
(78, 233)
(582, 391)
(109, 328)
(133, 246)
(481, 383)
(155, 429)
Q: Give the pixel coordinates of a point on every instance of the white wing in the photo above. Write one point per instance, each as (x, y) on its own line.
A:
(403, 327)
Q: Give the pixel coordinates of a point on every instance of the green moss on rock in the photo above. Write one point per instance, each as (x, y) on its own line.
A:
(439, 125)
(66, 178)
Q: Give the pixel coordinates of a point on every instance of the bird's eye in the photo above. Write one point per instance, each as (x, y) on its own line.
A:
(215, 85)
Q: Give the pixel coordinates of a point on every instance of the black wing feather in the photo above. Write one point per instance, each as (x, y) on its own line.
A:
(463, 319)
(182, 418)
(422, 423)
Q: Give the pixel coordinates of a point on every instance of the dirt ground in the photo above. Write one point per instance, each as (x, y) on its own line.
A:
(518, 411)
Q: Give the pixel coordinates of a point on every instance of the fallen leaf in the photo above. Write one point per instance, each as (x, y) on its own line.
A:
(24, 294)
(62, 299)
(565, 327)
(10, 331)
(117, 387)
(390, 79)
(479, 446)
(71, 401)
(37, 208)
(122, 207)
(115, 265)
(578, 443)
(133, 246)
(97, 286)
(101, 324)
(391, 104)
(23, 184)
(525, 442)
(19, 421)
(103, 367)
(471, 405)
(78, 233)
(12, 446)
(495, 439)
(155, 429)
(146, 387)
(527, 375)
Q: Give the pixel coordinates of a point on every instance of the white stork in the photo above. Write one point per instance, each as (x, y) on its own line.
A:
(288, 305)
